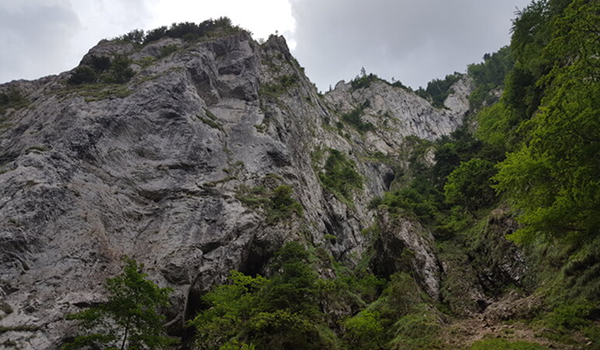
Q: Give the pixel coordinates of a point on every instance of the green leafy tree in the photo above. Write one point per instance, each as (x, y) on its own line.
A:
(129, 319)
(231, 305)
(294, 287)
(554, 177)
(364, 331)
(469, 185)
(277, 313)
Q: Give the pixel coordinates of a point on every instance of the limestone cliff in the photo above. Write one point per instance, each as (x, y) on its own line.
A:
(164, 168)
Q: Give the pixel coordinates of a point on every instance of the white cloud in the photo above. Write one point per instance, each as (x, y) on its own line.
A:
(411, 40)
(34, 37)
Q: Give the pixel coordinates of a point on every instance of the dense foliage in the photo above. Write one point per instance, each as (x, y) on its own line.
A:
(532, 147)
(277, 204)
(489, 77)
(554, 176)
(458, 182)
(280, 312)
(287, 310)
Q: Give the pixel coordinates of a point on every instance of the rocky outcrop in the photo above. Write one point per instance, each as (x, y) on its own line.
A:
(458, 99)
(157, 169)
(404, 245)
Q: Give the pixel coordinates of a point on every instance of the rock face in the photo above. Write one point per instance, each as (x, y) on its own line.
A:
(404, 244)
(158, 168)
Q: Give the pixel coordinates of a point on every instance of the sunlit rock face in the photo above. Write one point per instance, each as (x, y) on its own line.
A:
(160, 168)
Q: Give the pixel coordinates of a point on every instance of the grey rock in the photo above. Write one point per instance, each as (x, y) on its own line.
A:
(458, 100)
(153, 170)
(405, 245)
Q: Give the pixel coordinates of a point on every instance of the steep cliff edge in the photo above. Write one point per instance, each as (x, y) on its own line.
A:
(168, 169)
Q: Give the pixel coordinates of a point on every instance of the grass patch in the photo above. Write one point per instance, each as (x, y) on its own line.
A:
(98, 92)
(503, 344)
(210, 122)
(280, 86)
(12, 99)
(110, 93)
(222, 181)
(21, 328)
(37, 148)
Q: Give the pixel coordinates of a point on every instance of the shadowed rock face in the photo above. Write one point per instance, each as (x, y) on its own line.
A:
(157, 169)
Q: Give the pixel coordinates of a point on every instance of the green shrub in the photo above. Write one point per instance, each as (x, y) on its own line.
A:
(364, 81)
(339, 176)
(277, 313)
(100, 63)
(282, 204)
(354, 118)
(417, 331)
(135, 36)
(119, 71)
(102, 69)
(280, 86)
(574, 315)
(489, 75)
(277, 205)
(83, 75)
(189, 31)
(469, 185)
(167, 50)
(408, 201)
(364, 331)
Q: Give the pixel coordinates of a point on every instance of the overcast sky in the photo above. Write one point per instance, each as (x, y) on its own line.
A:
(412, 41)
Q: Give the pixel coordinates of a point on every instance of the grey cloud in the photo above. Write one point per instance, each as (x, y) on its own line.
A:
(411, 40)
(34, 37)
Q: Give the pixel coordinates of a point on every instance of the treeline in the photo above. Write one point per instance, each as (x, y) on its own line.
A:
(187, 31)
